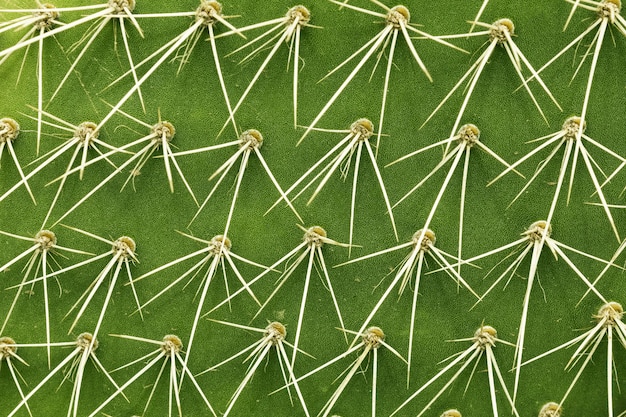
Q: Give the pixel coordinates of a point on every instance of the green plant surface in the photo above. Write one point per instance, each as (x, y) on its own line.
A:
(192, 100)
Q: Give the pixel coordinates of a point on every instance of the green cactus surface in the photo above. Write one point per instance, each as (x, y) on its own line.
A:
(135, 223)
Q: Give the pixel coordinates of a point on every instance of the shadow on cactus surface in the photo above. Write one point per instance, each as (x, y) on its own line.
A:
(148, 226)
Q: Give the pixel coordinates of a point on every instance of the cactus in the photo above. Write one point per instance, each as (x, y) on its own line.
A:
(111, 139)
